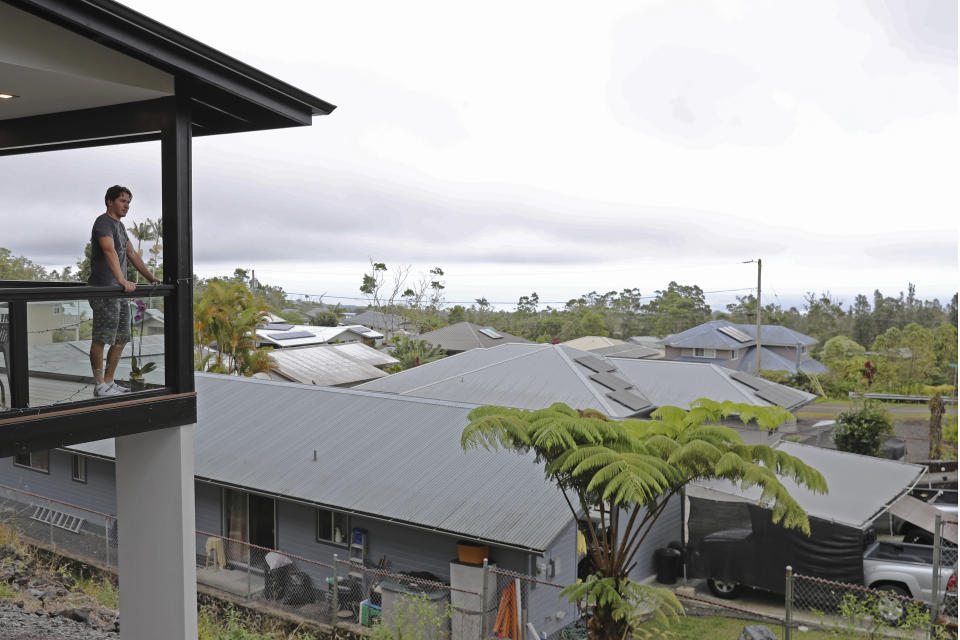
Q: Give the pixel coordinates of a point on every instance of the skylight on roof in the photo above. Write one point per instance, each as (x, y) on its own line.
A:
(735, 333)
(490, 333)
(276, 326)
(292, 335)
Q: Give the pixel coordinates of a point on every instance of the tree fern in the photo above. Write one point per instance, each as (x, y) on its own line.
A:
(633, 467)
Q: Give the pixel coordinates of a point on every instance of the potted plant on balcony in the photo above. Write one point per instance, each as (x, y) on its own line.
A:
(137, 372)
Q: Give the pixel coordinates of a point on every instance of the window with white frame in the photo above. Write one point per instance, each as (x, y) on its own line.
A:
(333, 526)
(79, 466)
(704, 353)
(36, 460)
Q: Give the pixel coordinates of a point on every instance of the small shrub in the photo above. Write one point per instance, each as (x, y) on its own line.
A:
(414, 618)
(862, 430)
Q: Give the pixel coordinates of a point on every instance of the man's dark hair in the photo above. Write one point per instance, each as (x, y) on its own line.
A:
(114, 192)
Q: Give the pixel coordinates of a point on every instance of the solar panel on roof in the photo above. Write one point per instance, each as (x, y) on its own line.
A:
(610, 381)
(747, 379)
(777, 395)
(630, 399)
(735, 333)
(277, 326)
(594, 363)
(292, 335)
(490, 333)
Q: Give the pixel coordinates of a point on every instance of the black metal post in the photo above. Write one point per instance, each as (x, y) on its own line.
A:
(18, 365)
(176, 168)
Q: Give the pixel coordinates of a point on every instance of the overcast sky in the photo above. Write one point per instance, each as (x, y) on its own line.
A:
(560, 147)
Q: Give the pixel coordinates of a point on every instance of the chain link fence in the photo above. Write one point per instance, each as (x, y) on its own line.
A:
(887, 609)
(84, 534)
(300, 589)
(515, 595)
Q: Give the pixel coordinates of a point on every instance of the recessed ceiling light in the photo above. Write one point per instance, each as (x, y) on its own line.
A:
(7, 96)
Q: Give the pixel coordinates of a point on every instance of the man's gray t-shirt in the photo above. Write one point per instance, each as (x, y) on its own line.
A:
(106, 227)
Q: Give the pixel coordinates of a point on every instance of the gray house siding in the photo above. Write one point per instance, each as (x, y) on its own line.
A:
(546, 608)
(98, 493)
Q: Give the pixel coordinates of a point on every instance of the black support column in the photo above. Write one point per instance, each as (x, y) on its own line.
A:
(176, 168)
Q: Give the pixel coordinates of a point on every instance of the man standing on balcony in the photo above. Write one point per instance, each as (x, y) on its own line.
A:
(110, 249)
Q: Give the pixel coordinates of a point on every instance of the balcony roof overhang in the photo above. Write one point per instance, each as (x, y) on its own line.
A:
(93, 72)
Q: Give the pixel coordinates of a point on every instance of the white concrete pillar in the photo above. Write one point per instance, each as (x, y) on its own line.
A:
(157, 548)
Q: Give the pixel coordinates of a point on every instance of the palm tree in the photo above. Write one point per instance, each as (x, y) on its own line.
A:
(412, 353)
(142, 231)
(226, 317)
(627, 471)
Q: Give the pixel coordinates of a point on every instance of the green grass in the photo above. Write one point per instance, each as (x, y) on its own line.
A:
(717, 628)
(230, 623)
(6, 591)
(100, 589)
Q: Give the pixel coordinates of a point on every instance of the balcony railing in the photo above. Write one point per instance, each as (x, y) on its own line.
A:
(46, 331)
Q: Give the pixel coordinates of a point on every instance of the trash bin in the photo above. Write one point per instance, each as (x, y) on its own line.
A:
(894, 449)
(665, 561)
(368, 611)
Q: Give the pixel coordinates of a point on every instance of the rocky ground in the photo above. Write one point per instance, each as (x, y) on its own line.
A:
(40, 603)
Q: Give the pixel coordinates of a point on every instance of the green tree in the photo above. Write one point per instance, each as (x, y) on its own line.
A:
(412, 352)
(456, 314)
(841, 348)
(825, 316)
(674, 309)
(226, 316)
(627, 471)
(944, 354)
(905, 359)
(14, 267)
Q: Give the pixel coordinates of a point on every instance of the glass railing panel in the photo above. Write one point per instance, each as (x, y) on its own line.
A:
(68, 339)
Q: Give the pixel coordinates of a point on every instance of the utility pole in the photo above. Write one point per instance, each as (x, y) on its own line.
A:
(759, 307)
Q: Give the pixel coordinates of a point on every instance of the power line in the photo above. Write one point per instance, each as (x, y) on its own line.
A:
(327, 295)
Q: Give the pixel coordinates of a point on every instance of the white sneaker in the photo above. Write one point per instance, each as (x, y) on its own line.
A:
(105, 389)
(118, 389)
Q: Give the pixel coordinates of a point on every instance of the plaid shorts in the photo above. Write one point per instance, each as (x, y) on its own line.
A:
(111, 320)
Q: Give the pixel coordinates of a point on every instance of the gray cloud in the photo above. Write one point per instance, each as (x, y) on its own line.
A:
(696, 77)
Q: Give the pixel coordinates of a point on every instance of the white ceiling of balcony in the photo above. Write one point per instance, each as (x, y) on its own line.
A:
(52, 69)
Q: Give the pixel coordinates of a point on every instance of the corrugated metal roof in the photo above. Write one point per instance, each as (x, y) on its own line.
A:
(525, 376)
(466, 335)
(362, 353)
(591, 343)
(773, 361)
(319, 335)
(378, 454)
(627, 350)
(380, 320)
(326, 365)
(860, 487)
(676, 383)
(708, 335)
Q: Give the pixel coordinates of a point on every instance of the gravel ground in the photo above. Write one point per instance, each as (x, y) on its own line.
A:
(17, 624)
